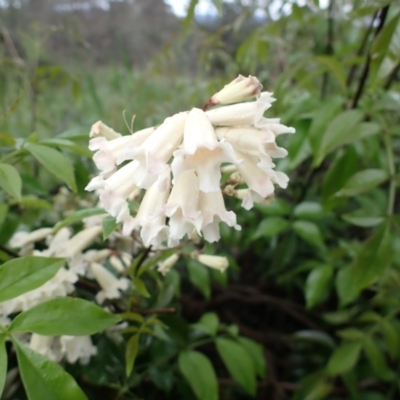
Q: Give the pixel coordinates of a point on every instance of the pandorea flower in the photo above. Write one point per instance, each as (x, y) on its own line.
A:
(178, 164)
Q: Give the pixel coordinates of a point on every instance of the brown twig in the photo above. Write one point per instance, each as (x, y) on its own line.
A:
(11, 253)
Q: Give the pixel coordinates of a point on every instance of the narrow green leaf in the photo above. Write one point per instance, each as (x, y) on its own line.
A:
(109, 226)
(132, 349)
(309, 210)
(337, 133)
(3, 362)
(376, 359)
(200, 277)
(3, 213)
(44, 379)
(54, 162)
(189, 17)
(256, 352)
(344, 358)
(309, 232)
(140, 287)
(79, 216)
(317, 285)
(346, 290)
(392, 339)
(373, 258)
(270, 227)
(363, 181)
(351, 334)
(67, 144)
(26, 273)
(64, 316)
(10, 180)
(209, 323)
(238, 363)
(199, 373)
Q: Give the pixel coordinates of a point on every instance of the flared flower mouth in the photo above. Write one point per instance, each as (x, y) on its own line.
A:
(178, 164)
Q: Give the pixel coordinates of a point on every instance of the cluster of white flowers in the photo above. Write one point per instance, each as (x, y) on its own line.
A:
(80, 264)
(178, 164)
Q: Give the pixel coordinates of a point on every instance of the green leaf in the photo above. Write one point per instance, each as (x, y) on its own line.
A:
(44, 379)
(238, 363)
(209, 323)
(3, 212)
(68, 144)
(360, 218)
(344, 358)
(256, 352)
(376, 359)
(309, 232)
(373, 258)
(132, 349)
(200, 277)
(363, 181)
(79, 216)
(3, 362)
(199, 373)
(308, 210)
(346, 290)
(337, 133)
(270, 226)
(317, 285)
(64, 316)
(140, 287)
(189, 17)
(392, 339)
(26, 273)
(10, 180)
(109, 226)
(54, 162)
(351, 334)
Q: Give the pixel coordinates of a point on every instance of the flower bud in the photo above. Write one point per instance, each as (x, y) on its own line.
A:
(165, 266)
(216, 262)
(240, 89)
(99, 129)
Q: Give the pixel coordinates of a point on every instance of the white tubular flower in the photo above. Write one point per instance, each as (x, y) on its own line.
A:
(216, 262)
(99, 129)
(156, 150)
(213, 210)
(202, 152)
(116, 189)
(78, 242)
(22, 239)
(240, 89)
(252, 141)
(76, 348)
(182, 207)
(150, 216)
(45, 345)
(110, 284)
(260, 176)
(165, 266)
(250, 113)
(108, 151)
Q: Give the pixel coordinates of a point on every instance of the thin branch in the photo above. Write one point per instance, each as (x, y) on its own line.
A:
(365, 73)
(392, 77)
(329, 47)
(11, 253)
(361, 50)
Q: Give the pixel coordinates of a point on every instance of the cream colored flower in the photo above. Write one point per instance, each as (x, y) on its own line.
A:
(240, 89)
(99, 129)
(202, 152)
(165, 266)
(110, 284)
(76, 348)
(46, 345)
(216, 262)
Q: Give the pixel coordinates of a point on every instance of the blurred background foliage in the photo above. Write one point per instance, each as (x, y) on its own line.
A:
(309, 306)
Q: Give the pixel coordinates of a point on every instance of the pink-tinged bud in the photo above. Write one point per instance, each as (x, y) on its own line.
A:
(99, 129)
(240, 89)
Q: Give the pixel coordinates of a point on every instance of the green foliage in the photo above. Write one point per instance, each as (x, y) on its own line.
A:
(313, 283)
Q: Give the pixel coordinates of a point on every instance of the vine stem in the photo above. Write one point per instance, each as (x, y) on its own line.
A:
(392, 171)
